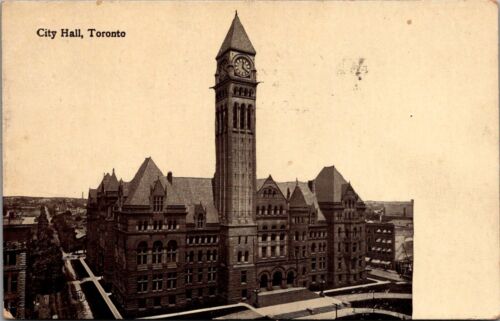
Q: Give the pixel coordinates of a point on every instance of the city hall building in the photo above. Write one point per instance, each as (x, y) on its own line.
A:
(164, 243)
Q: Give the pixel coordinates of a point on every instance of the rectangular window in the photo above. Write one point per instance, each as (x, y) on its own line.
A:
(142, 284)
(171, 280)
(200, 275)
(273, 251)
(171, 300)
(141, 303)
(157, 282)
(158, 203)
(200, 292)
(243, 277)
(157, 302)
(211, 274)
(189, 294)
(313, 264)
(200, 256)
(244, 294)
(264, 251)
(282, 250)
(189, 276)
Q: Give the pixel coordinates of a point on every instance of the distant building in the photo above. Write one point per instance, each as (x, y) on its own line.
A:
(389, 210)
(165, 242)
(380, 244)
(17, 235)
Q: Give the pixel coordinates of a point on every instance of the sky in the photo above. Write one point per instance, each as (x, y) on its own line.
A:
(421, 123)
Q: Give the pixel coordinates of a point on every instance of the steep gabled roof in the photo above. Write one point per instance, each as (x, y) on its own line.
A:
(112, 183)
(269, 181)
(297, 199)
(139, 188)
(236, 39)
(194, 192)
(92, 195)
(328, 185)
(307, 194)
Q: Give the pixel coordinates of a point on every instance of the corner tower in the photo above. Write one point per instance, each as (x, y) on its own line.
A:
(235, 173)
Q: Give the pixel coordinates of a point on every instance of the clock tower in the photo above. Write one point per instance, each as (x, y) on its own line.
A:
(235, 173)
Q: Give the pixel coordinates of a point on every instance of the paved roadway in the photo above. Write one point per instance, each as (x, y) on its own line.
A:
(103, 293)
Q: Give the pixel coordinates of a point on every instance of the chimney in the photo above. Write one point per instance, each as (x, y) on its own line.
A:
(311, 186)
(169, 177)
(288, 193)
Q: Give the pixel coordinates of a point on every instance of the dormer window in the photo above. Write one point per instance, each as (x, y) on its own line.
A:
(157, 203)
(200, 222)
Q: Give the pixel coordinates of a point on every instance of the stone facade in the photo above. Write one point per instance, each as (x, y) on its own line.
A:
(164, 243)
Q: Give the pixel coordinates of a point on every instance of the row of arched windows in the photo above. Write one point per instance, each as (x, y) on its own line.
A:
(244, 114)
(282, 237)
(157, 252)
(242, 91)
(270, 210)
(273, 227)
(355, 231)
(269, 192)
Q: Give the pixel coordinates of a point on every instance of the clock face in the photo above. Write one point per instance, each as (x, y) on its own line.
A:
(242, 67)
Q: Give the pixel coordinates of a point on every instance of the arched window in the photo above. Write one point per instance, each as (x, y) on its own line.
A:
(200, 221)
(276, 210)
(242, 116)
(240, 91)
(235, 115)
(245, 92)
(296, 236)
(157, 252)
(249, 117)
(246, 256)
(251, 93)
(142, 253)
(264, 227)
(239, 256)
(282, 236)
(209, 255)
(172, 251)
(269, 209)
(215, 255)
(313, 248)
(339, 230)
(264, 237)
(273, 237)
(235, 90)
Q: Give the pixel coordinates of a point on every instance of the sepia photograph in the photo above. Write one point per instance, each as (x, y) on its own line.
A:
(248, 160)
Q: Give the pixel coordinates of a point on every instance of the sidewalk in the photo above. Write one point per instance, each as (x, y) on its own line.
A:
(377, 282)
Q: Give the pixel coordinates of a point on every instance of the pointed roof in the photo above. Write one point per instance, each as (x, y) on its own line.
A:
(236, 39)
(297, 199)
(139, 189)
(328, 185)
(112, 183)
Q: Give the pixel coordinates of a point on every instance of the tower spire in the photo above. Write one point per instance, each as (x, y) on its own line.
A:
(236, 39)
